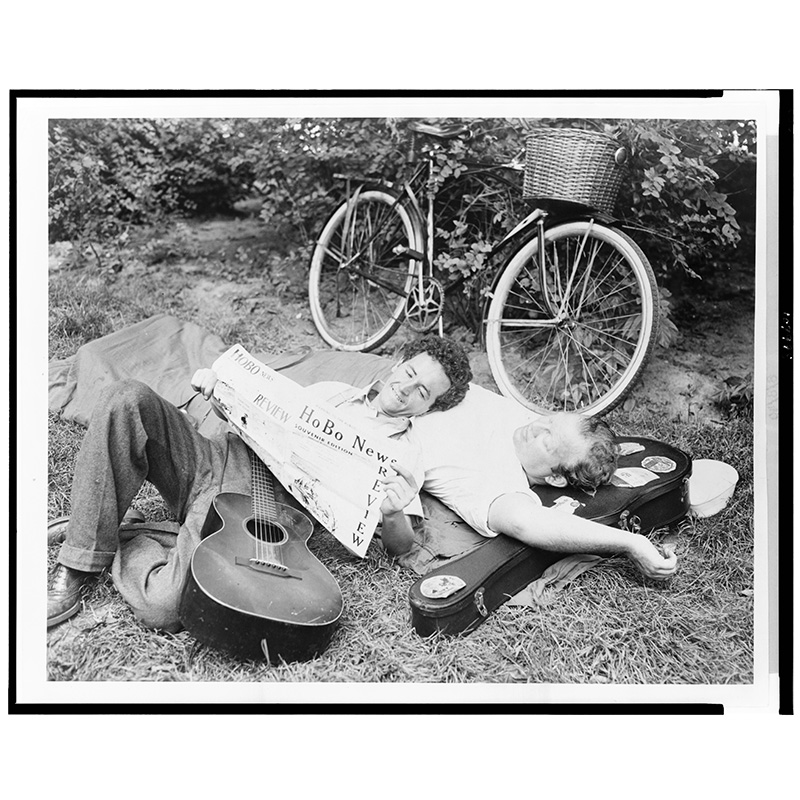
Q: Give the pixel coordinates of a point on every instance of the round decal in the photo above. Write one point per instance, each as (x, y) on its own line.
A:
(659, 464)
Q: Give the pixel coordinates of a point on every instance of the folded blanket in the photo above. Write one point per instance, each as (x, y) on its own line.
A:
(161, 351)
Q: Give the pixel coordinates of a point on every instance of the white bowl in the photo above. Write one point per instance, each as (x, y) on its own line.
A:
(710, 486)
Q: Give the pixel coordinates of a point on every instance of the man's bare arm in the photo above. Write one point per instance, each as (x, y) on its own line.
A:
(520, 517)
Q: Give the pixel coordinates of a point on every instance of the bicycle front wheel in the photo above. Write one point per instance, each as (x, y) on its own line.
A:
(572, 329)
(361, 269)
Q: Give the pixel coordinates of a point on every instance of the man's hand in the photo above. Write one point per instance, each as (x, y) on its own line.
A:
(401, 489)
(397, 533)
(203, 381)
(648, 560)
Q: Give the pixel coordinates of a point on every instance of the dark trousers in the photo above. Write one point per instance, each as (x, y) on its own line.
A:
(136, 436)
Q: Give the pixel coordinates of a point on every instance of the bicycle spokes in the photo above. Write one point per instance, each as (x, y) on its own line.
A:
(571, 322)
(360, 270)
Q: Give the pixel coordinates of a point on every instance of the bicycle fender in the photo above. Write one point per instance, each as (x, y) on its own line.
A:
(527, 225)
(520, 228)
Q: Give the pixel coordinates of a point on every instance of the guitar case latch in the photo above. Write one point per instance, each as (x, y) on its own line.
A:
(479, 604)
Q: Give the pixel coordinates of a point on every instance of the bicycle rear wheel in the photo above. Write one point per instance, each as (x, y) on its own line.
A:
(573, 333)
(361, 271)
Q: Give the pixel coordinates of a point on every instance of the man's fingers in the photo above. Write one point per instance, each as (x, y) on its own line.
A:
(203, 381)
(666, 569)
(403, 478)
(398, 487)
(400, 469)
(392, 493)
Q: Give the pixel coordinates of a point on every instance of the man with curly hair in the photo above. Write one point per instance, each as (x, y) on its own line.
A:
(135, 435)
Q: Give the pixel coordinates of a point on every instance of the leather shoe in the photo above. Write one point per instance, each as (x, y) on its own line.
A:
(64, 594)
(56, 530)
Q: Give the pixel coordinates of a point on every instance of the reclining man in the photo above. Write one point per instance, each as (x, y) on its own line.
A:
(481, 460)
(135, 436)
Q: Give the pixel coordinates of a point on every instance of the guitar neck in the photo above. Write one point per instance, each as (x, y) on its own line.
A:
(263, 493)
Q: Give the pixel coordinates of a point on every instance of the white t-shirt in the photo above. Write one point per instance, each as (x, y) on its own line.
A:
(354, 405)
(468, 454)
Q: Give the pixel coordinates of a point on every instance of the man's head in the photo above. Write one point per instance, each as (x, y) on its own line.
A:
(567, 449)
(434, 375)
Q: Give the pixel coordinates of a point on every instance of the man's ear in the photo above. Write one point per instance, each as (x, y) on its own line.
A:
(556, 480)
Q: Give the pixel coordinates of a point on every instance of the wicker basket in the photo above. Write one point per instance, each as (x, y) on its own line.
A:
(572, 165)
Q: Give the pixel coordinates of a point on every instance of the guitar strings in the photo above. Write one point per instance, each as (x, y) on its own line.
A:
(265, 512)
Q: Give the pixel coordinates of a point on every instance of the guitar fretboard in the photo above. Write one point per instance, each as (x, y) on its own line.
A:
(263, 492)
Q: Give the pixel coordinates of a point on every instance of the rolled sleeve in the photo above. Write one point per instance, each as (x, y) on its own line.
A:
(477, 514)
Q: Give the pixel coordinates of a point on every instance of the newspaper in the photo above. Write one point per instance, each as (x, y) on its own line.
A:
(334, 470)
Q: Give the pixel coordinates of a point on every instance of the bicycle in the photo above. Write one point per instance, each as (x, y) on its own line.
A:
(571, 330)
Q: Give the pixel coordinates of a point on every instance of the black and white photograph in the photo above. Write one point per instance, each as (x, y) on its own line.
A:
(546, 329)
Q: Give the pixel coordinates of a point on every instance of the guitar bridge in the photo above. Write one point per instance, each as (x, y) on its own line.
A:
(262, 565)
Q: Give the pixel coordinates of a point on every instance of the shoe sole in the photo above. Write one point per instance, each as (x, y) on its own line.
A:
(57, 531)
(64, 615)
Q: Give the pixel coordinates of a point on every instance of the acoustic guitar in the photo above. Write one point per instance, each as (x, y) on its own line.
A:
(253, 588)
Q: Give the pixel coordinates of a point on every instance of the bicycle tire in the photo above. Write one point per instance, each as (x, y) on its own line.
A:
(587, 351)
(357, 284)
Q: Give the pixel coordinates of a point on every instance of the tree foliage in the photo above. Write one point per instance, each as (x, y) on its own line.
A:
(676, 192)
(106, 175)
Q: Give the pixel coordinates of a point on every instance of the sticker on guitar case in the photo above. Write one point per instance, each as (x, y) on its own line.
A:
(659, 464)
(440, 586)
(632, 476)
(629, 448)
(569, 505)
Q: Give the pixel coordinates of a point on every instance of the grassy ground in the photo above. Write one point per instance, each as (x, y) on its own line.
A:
(609, 626)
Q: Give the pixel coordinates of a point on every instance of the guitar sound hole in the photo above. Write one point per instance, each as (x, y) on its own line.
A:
(266, 531)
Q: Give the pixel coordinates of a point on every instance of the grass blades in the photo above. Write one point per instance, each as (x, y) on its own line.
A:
(609, 626)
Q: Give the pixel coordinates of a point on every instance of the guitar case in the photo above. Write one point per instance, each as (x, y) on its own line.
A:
(649, 490)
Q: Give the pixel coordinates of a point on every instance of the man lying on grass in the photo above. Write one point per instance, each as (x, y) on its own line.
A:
(135, 435)
(483, 470)
(482, 461)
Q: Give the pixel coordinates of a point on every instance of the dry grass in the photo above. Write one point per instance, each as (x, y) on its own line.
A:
(609, 626)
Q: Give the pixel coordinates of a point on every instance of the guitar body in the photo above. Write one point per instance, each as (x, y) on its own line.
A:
(255, 594)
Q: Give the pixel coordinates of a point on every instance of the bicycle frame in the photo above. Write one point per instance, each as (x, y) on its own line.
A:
(583, 268)
(412, 188)
(535, 223)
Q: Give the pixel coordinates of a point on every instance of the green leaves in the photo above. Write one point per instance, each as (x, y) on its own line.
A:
(674, 189)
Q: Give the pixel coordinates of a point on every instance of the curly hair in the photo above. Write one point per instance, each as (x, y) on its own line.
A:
(599, 459)
(454, 361)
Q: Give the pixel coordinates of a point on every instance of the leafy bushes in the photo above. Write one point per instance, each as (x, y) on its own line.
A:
(295, 161)
(106, 175)
(676, 196)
